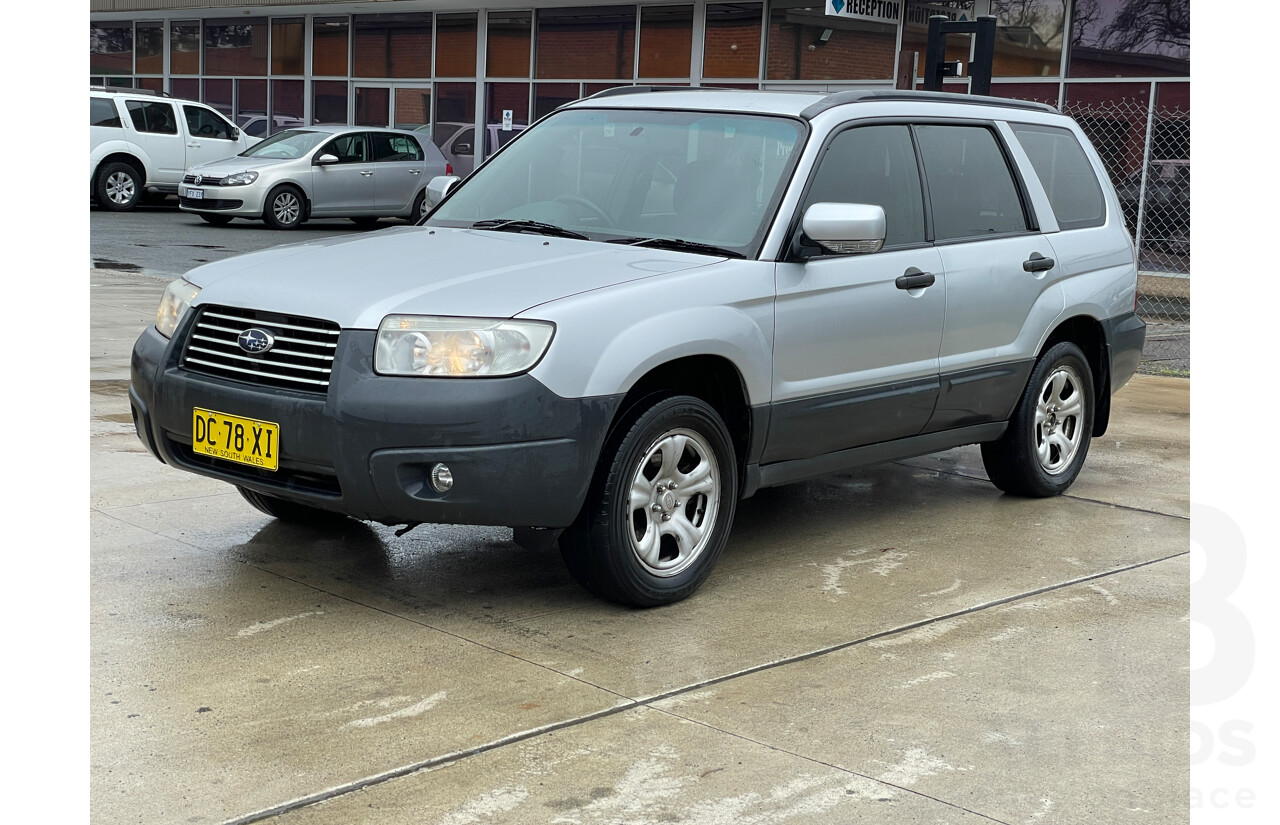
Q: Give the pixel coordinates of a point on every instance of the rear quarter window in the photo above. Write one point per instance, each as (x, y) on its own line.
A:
(1065, 173)
(102, 112)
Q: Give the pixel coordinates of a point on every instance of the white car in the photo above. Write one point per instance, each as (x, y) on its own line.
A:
(329, 171)
(259, 125)
(141, 141)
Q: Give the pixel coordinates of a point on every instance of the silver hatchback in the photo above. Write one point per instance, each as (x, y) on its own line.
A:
(308, 172)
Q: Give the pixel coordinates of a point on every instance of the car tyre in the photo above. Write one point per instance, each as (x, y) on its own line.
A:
(1044, 447)
(290, 511)
(216, 220)
(285, 208)
(118, 187)
(659, 511)
(420, 208)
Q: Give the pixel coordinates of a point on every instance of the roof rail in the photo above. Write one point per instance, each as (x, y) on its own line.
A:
(633, 90)
(133, 90)
(867, 95)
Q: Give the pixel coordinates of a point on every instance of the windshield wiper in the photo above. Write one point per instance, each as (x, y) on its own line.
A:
(537, 227)
(680, 246)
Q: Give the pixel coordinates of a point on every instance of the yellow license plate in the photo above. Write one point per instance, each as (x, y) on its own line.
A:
(233, 438)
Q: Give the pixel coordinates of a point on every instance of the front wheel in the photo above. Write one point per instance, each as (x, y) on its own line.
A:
(1044, 447)
(284, 208)
(660, 508)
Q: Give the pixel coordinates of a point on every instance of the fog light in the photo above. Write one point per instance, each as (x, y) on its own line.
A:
(441, 478)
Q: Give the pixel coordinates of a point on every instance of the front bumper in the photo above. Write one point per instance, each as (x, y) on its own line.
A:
(521, 456)
(241, 201)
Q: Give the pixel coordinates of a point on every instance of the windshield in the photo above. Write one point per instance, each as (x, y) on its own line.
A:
(291, 143)
(634, 175)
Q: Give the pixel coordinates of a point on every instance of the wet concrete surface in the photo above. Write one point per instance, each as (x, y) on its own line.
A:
(900, 644)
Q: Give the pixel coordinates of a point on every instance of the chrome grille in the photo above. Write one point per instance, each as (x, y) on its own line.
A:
(301, 357)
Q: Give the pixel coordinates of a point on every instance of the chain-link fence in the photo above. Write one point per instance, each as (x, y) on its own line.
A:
(1144, 141)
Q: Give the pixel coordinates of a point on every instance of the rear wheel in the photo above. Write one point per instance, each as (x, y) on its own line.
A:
(1044, 447)
(216, 220)
(420, 208)
(290, 511)
(117, 187)
(660, 508)
(284, 208)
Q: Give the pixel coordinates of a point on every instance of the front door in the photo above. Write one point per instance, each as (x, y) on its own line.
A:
(210, 136)
(348, 187)
(855, 353)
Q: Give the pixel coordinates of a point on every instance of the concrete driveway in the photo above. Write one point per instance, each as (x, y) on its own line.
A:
(902, 644)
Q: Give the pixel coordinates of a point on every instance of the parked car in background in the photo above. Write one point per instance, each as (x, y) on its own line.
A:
(141, 141)
(571, 342)
(325, 171)
(457, 142)
(260, 126)
(1166, 217)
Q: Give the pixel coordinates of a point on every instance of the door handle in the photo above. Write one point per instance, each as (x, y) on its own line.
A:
(1037, 263)
(193, 146)
(366, 174)
(914, 279)
(415, 171)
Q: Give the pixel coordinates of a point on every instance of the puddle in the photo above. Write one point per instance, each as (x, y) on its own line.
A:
(118, 388)
(103, 263)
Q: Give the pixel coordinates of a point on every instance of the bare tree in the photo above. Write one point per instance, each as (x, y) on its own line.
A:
(1159, 26)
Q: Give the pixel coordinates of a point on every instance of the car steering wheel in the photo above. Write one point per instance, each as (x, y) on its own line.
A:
(589, 204)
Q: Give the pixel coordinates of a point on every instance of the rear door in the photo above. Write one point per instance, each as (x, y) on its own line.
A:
(348, 187)
(1001, 278)
(400, 166)
(156, 123)
(856, 355)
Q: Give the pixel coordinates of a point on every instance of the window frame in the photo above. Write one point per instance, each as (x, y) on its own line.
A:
(1063, 225)
(140, 106)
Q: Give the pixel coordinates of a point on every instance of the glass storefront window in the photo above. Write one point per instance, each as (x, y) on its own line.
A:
(509, 44)
(219, 95)
(731, 47)
(185, 87)
(1108, 42)
(413, 107)
(329, 101)
(184, 47)
(251, 98)
(235, 47)
(288, 37)
(148, 50)
(592, 41)
(372, 105)
(329, 48)
(111, 48)
(1028, 38)
(392, 45)
(503, 96)
(455, 103)
(547, 97)
(456, 55)
(807, 44)
(666, 40)
(152, 84)
(286, 99)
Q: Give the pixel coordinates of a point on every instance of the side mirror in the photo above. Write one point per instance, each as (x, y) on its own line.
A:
(235, 132)
(845, 228)
(439, 188)
(326, 159)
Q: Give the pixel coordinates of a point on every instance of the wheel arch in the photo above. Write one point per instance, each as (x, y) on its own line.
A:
(713, 379)
(1087, 333)
(292, 184)
(124, 157)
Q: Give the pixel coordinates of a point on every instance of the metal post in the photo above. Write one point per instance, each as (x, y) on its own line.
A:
(1146, 164)
(935, 53)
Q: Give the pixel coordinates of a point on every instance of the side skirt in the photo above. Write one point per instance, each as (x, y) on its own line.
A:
(786, 472)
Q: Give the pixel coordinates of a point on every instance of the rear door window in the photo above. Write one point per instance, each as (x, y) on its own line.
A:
(1066, 174)
(391, 148)
(153, 117)
(102, 112)
(972, 191)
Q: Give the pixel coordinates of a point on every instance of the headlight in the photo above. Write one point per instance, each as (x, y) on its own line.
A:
(239, 179)
(459, 347)
(175, 303)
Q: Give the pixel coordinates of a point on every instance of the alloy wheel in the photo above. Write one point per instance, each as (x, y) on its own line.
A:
(675, 493)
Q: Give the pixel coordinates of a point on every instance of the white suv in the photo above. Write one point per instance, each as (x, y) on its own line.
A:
(140, 141)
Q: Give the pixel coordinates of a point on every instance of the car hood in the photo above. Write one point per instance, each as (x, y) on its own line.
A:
(231, 165)
(356, 281)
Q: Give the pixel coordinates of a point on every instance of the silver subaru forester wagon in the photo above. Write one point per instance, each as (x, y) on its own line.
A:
(653, 303)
